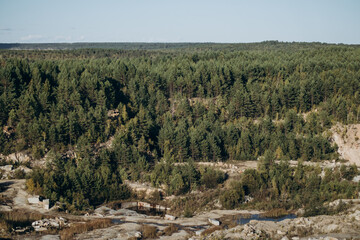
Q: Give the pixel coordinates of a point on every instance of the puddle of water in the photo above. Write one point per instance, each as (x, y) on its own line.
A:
(117, 221)
(246, 219)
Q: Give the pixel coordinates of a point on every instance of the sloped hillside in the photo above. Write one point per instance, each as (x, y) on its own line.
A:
(347, 137)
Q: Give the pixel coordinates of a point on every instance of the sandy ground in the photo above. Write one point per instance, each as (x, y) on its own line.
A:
(15, 189)
(348, 140)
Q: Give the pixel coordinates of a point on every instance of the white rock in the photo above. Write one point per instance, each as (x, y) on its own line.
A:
(138, 234)
(199, 232)
(285, 238)
(169, 217)
(356, 178)
(40, 229)
(214, 221)
(331, 228)
(7, 168)
(34, 200)
(46, 204)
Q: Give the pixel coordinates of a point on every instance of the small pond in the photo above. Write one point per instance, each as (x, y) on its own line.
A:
(241, 219)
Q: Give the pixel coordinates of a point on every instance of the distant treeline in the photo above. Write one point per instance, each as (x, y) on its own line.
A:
(267, 45)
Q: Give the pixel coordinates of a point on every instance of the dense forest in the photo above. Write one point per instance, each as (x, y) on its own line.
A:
(186, 104)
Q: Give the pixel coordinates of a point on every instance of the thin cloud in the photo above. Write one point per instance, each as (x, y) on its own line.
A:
(63, 38)
(32, 37)
(6, 29)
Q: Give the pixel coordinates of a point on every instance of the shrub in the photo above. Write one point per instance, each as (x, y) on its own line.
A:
(156, 196)
(148, 231)
(19, 174)
(169, 230)
(275, 213)
(232, 198)
(211, 177)
(211, 230)
(188, 213)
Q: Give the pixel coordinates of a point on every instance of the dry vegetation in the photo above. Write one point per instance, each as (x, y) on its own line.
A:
(192, 203)
(275, 213)
(148, 231)
(13, 219)
(211, 230)
(68, 233)
(171, 229)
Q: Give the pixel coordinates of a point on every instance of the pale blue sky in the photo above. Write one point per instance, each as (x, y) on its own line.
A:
(332, 21)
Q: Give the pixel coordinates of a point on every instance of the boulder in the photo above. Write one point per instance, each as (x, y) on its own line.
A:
(18, 157)
(103, 211)
(355, 215)
(356, 179)
(331, 228)
(7, 168)
(138, 235)
(46, 204)
(199, 232)
(169, 217)
(34, 200)
(214, 222)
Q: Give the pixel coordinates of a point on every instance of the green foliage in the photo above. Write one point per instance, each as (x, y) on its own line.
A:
(231, 199)
(285, 187)
(201, 106)
(80, 183)
(190, 102)
(210, 178)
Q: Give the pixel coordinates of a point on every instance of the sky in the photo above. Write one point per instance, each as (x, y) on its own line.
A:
(225, 21)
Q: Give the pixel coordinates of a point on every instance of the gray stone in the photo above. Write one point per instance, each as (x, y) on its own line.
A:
(46, 204)
(356, 178)
(199, 232)
(7, 168)
(34, 200)
(331, 228)
(169, 217)
(214, 221)
(138, 234)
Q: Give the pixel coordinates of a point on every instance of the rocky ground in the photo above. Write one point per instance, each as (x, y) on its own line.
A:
(342, 226)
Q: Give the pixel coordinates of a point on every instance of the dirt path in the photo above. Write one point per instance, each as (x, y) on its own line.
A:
(15, 190)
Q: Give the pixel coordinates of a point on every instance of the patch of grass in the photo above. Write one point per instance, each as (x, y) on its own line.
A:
(192, 203)
(171, 229)
(275, 213)
(13, 219)
(211, 230)
(68, 233)
(188, 213)
(148, 231)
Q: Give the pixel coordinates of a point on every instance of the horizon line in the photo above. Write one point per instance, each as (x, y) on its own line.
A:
(184, 42)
